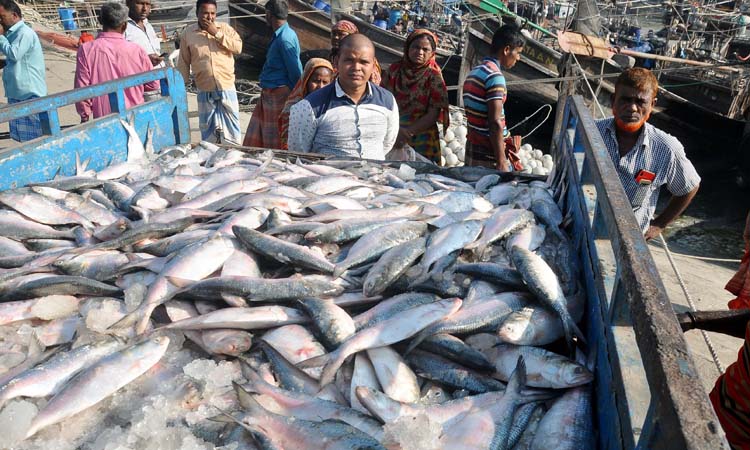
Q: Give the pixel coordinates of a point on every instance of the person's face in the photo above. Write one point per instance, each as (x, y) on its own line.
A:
(510, 56)
(207, 13)
(320, 77)
(632, 107)
(420, 51)
(355, 66)
(336, 37)
(7, 18)
(139, 9)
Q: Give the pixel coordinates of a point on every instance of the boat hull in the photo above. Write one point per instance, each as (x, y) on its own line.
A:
(313, 29)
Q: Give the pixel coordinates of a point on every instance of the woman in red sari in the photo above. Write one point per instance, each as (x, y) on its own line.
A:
(417, 83)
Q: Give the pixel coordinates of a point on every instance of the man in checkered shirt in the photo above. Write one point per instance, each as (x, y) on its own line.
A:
(645, 157)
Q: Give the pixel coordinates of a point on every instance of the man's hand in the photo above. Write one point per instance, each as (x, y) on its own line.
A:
(209, 27)
(504, 166)
(652, 232)
(404, 136)
(2, 29)
(155, 59)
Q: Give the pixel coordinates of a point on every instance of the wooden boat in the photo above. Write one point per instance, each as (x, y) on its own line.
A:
(539, 63)
(313, 29)
(170, 11)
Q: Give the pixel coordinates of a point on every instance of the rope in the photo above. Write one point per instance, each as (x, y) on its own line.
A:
(549, 111)
(706, 338)
(700, 258)
(593, 94)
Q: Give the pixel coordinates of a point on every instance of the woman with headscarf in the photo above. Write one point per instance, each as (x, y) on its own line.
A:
(318, 72)
(342, 29)
(418, 86)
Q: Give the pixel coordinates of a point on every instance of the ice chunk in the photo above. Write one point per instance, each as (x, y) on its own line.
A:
(134, 295)
(14, 421)
(412, 433)
(406, 172)
(102, 316)
(54, 307)
(213, 375)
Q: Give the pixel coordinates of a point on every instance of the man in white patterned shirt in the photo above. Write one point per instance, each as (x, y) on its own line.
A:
(350, 117)
(141, 32)
(645, 157)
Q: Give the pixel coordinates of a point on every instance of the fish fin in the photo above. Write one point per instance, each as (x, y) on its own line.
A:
(315, 361)
(416, 340)
(226, 417)
(571, 329)
(81, 166)
(180, 282)
(222, 418)
(538, 395)
(234, 300)
(247, 401)
(36, 346)
(338, 270)
(145, 213)
(139, 318)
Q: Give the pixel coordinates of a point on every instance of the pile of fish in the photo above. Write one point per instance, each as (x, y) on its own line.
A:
(204, 297)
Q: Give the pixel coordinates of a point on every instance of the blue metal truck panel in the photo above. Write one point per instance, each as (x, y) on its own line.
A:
(103, 140)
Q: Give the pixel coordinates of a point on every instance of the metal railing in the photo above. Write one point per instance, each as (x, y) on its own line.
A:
(103, 140)
(648, 394)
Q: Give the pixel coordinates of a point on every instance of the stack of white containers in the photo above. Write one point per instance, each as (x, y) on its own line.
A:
(453, 148)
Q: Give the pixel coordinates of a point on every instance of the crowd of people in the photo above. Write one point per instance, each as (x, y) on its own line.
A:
(345, 105)
(361, 109)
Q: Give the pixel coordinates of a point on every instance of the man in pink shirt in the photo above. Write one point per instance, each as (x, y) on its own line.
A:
(110, 57)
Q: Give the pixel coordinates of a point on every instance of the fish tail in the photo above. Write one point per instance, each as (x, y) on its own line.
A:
(315, 361)
(247, 401)
(517, 380)
(329, 370)
(571, 329)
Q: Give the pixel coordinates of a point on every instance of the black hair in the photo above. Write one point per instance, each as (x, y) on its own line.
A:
(278, 8)
(431, 39)
(200, 3)
(11, 6)
(507, 36)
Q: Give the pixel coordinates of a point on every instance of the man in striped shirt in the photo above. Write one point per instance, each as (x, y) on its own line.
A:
(645, 157)
(484, 94)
